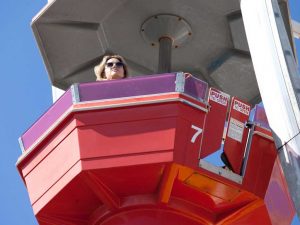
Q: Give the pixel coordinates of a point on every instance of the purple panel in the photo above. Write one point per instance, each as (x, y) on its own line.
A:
(47, 119)
(196, 88)
(278, 199)
(260, 116)
(135, 86)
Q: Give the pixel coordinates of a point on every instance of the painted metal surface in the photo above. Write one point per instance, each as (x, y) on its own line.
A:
(137, 86)
(278, 201)
(47, 119)
(127, 87)
(139, 162)
(215, 122)
(278, 81)
(236, 136)
(262, 155)
(135, 160)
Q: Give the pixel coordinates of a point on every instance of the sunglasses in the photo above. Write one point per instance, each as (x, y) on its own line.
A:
(118, 64)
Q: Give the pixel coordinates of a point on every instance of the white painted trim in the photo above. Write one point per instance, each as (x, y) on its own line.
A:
(268, 54)
(220, 171)
(56, 93)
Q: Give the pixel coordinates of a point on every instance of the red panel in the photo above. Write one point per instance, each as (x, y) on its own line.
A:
(127, 160)
(42, 150)
(181, 139)
(56, 188)
(215, 122)
(65, 203)
(125, 151)
(189, 134)
(126, 138)
(151, 216)
(129, 179)
(51, 168)
(236, 135)
(260, 162)
(112, 136)
(121, 114)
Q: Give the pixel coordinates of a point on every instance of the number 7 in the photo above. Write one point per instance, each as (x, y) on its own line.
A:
(198, 132)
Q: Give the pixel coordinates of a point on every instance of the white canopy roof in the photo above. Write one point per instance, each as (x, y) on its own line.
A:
(73, 35)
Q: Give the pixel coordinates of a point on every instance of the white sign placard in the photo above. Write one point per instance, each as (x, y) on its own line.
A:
(235, 130)
(241, 107)
(219, 97)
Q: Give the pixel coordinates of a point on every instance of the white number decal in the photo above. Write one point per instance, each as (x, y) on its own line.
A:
(198, 132)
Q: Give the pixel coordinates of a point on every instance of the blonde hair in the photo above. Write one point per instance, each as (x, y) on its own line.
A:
(100, 69)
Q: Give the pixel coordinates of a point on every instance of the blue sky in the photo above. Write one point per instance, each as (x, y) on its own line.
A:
(25, 95)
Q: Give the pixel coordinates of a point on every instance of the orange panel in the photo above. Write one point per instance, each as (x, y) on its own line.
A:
(255, 213)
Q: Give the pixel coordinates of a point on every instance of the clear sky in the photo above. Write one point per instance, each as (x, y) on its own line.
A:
(25, 95)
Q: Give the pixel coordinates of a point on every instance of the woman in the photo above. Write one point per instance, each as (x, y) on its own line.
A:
(111, 67)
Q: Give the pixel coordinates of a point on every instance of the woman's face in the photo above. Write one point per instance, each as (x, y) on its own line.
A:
(114, 69)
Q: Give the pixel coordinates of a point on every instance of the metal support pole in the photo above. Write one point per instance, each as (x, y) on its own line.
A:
(165, 51)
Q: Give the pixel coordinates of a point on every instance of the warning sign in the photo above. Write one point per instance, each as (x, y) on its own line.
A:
(236, 137)
(241, 107)
(218, 97)
(235, 130)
